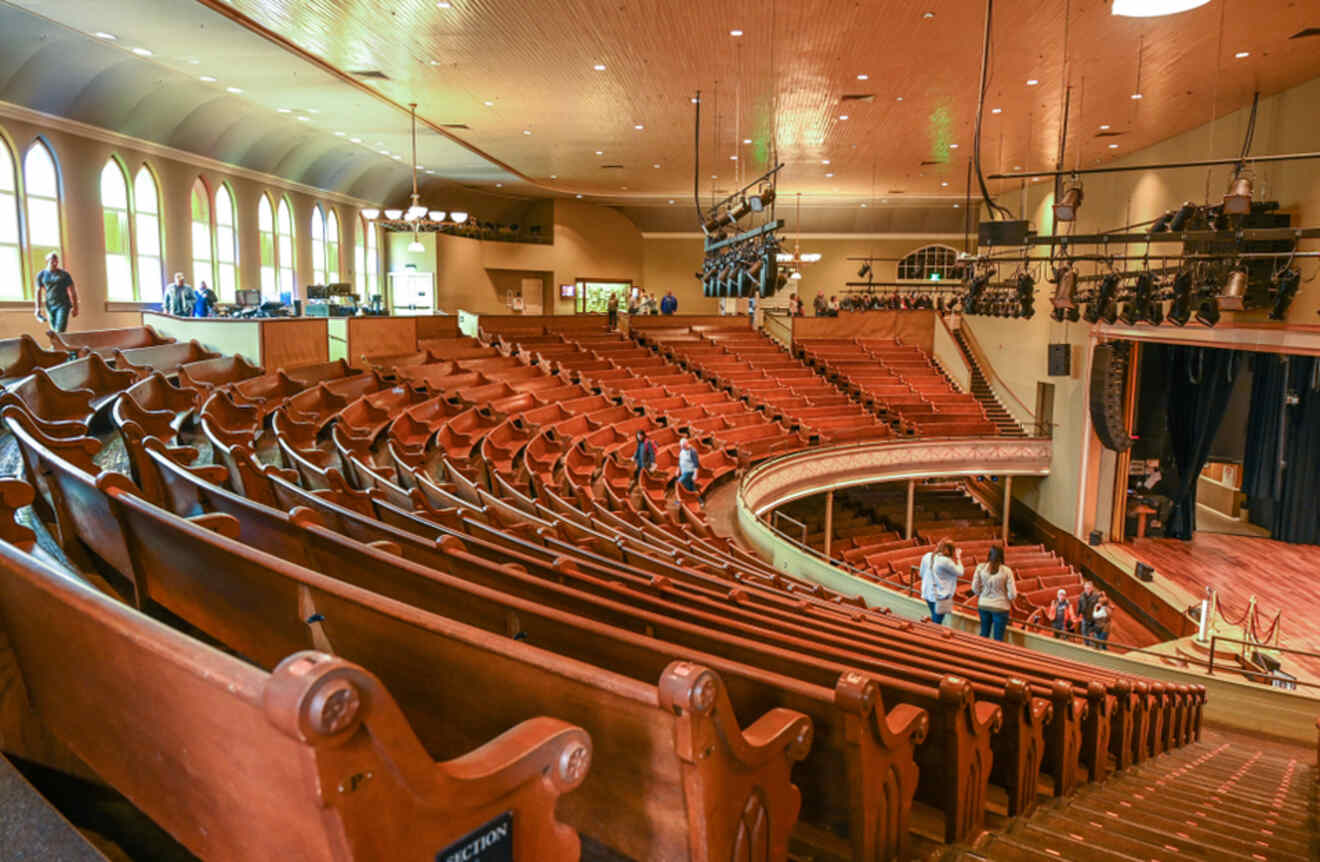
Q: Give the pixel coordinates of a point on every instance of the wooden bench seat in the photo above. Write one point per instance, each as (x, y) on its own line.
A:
(20, 356)
(221, 371)
(105, 342)
(165, 358)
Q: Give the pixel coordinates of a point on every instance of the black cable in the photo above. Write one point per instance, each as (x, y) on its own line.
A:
(994, 208)
(1251, 132)
(696, 163)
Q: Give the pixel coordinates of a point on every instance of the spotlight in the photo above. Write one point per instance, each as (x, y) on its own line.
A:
(1181, 310)
(1129, 314)
(1208, 313)
(1091, 314)
(1065, 293)
(1237, 201)
(740, 209)
(1065, 208)
(1233, 296)
(864, 271)
(1181, 216)
(1145, 308)
(1161, 224)
(1285, 285)
(762, 200)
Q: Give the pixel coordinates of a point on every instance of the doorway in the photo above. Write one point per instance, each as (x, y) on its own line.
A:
(593, 295)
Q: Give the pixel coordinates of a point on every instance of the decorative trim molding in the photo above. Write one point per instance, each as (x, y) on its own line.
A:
(820, 469)
(1262, 337)
(696, 234)
(116, 139)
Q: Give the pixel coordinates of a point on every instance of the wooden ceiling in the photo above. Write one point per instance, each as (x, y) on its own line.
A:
(522, 77)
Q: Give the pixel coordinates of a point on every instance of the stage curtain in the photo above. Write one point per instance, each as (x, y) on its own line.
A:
(1287, 508)
(1200, 385)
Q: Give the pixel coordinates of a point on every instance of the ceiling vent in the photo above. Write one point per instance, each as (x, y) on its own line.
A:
(857, 97)
(1306, 34)
(612, 167)
(370, 74)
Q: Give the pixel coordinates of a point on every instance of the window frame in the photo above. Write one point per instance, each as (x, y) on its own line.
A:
(135, 206)
(926, 259)
(233, 233)
(20, 257)
(129, 251)
(208, 199)
(41, 250)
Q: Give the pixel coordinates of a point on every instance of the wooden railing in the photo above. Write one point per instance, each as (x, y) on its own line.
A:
(1016, 407)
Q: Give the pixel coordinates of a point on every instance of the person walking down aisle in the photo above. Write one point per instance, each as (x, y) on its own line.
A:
(995, 589)
(669, 304)
(612, 307)
(688, 464)
(643, 456)
(57, 298)
(179, 297)
(940, 571)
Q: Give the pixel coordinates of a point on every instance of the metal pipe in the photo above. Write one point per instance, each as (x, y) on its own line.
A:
(1114, 169)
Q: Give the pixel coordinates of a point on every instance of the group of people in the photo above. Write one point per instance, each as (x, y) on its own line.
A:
(995, 589)
(1090, 617)
(646, 303)
(183, 300)
(688, 460)
(825, 307)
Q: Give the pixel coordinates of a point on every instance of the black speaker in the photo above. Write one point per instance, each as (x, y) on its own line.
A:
(1145, 572)
(1109, 368)
(1060, 360)
(1096, 537)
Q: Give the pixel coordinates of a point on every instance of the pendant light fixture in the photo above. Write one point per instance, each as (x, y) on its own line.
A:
(416, 212)
(1154, 8)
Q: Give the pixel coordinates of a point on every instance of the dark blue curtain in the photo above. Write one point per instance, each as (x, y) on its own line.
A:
(1200, 385)
(1284, 500)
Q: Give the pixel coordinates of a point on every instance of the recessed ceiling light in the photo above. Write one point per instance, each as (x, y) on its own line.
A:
(234, 90)
(955, 206)
(824, 161)
(863, 206)
(488, 103)
(384, 152)
(1136, 95)
(430, 172)
(624, 188)
(945, 184)
(747, 140)
(579, 197)
(554, 176)
(499, 185)
(843, 116)
(714, 176)
(599, 67)
(695, 100)
(863, 77)
(1113, 146)
(600, 152)
(1017, 167)
(735, 32)
(207, 78)
(193, 61)
(671, 200)
(899, 99)
(1242, 55)
(303, 119)
(527, 131)
(1104, 127)
(101, 34)
(339, 134)
(142, 52)
(435, 62)
(420, 167)
(283, 111)
(355, 140)
(828, 175)
(733, 158)
(638, 126)
(656, 165)
(996, 110)
(444, 4)
(397, 158)
(953, 146)
(1031, 82)
(927, 15)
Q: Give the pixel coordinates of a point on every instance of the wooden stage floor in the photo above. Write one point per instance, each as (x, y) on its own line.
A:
(1278, 574)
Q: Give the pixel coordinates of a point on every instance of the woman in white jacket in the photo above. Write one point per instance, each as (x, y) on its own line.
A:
(993, 585)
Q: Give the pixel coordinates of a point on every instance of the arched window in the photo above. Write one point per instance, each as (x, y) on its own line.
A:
(41, 182)
(11, 259)
(226, 244)
(147, 236)
(931, 263)
(372, 261)
(266, 229)
(331, 247)
(318, 245)
(118, 234)
(360, 260)
(284, 249)
(202, 235)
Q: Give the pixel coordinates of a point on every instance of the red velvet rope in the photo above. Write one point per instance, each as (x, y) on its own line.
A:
(1255, 629)
(1240, 621)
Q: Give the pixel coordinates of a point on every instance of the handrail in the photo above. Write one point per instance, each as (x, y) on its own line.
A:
(781, 516)
(997, 383)
(772, 316)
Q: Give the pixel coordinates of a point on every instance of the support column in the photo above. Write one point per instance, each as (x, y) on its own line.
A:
(829, 522)
(1008, 502)
(911, 506)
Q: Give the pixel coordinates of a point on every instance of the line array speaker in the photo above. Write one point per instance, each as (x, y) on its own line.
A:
(1060, 360)
(1109, 368)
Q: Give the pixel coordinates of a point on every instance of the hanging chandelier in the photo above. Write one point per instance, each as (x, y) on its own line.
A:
(416, 218)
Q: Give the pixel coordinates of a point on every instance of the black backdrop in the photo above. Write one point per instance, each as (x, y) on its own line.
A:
(1284, 501)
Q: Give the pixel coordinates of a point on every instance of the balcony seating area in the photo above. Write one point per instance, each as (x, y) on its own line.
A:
(480, 514)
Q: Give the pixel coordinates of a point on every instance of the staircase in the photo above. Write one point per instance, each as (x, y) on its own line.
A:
(994, 409)
(1226, 798)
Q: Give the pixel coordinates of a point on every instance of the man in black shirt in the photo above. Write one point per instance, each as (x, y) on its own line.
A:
(57, 298)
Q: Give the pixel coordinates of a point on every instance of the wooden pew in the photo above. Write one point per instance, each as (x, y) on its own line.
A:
(106, 341)
(313, 760)
(20, 356)
(165, 358)
(674, 774)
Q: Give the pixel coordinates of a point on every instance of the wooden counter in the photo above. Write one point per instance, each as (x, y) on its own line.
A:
(271, 342)
(351, 338)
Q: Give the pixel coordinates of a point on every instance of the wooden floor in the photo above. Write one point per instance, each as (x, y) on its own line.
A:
(1278, 574)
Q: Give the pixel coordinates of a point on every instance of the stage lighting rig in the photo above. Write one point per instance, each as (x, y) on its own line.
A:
(1065, 293)
(1284, 286)
(1181, 310)
(1233, 295)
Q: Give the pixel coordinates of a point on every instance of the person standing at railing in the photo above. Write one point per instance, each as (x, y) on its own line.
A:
(1061, 615)
(1085, 607)
(940, 571)
(995, 589)
(1100, 619)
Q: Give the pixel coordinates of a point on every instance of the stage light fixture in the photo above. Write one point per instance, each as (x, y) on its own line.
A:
(1065, 294)
(1286, 282)
(1237, 200)
(1091, 313)
(1129, 314)
(740, 209)
(1208, 312)
(762, 199)
(1066, 207)
(1233, 296)
(1161, 224)
(1181, 216)
(864, 271)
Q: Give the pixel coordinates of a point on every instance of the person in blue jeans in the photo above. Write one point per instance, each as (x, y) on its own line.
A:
(57, 298)
(688, 464)
(994, 588)
(643, 455)
(940, 571)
